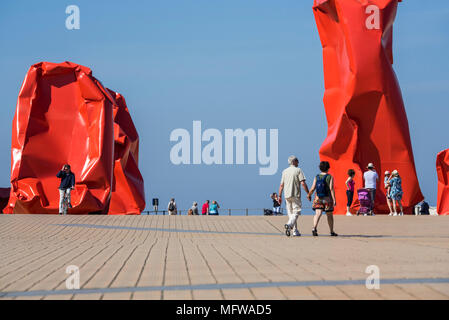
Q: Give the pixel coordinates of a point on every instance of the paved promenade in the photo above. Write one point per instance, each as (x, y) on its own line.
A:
(196, 257)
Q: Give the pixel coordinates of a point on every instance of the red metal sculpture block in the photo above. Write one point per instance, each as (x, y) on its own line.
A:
(363, 102)
(128, 194)
(443, 182)
(64, 115)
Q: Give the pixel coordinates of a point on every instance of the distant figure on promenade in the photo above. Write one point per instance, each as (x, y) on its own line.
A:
(292, 180)
(66, 186)
(396, 191)
(424, 208)
(350, 184)
(190, 212)
(213, 210)
(387, 190)
(195, 208)
(371, 177)
(324, 198)
(205, 208)
(276, 203)
(172, 208)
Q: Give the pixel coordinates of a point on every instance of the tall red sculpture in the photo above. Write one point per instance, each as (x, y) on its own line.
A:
(443, 182)
(364, 108)
(64, 115)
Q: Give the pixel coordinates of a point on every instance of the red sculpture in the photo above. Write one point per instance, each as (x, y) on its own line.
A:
(64, 115)
(364, 108)
(127, 188)
(443, 182)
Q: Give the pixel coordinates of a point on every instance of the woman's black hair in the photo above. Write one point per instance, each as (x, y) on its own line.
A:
(351, 172)
(324, 166)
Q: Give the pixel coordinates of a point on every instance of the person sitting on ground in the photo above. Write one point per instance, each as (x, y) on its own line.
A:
(396, 192)
(171, 208)
(324, 198)
(213, 210)
(205, 208)
(195, 208)
(350, 183)
(276, 203)
(371, 177)
(388, 188)
(424, 208)
(66, 186)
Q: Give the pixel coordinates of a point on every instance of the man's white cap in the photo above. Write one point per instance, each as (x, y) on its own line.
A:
(395, 172)
(370, 165)
(387, 172)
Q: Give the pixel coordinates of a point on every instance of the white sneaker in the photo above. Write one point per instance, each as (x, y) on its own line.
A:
(348, 214)
(391, 213)
(296, 233)
(402, 213)
(395, 214)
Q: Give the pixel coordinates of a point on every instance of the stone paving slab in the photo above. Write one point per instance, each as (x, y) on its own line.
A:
(222, 257)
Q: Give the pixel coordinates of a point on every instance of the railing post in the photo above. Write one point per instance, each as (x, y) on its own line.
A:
(246, 211)
(163, 212)
(229, 212)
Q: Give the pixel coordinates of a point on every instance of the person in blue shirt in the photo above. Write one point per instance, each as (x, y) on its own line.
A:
(396, 191)
(213, 209)
(66, 186)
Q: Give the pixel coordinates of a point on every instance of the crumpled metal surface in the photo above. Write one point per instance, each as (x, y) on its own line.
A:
(365, 112)
(443, 182)
(128, 194)
(63, 115)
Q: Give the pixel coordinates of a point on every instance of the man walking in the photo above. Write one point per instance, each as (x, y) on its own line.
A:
(292, 179)
(66, 186)
(371, 177)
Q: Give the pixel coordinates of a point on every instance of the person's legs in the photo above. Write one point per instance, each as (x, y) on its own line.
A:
(350, 196)
(69, 197)
(373, 199)
(400, 206)
(330, 221)
(296, 205)
(389, 204)
(61, 201)
(289, 207)
(316, 218)
(394, 207)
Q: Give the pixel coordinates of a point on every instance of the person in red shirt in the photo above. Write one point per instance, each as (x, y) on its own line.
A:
(205, 209)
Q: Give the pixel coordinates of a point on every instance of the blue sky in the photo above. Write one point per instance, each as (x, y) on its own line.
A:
(231, 64)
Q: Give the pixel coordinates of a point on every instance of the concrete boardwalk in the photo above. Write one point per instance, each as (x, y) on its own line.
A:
(210, 257)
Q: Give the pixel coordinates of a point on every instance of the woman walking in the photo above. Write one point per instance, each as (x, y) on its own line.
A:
(396, 193)
(324, 198)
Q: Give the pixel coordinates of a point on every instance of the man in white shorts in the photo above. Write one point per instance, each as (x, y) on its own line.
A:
(292, 179)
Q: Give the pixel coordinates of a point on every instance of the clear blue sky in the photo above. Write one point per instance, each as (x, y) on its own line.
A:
(231, 64)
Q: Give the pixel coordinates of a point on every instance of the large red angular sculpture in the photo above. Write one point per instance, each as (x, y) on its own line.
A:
(127, 187)
(363, 102)
(63, 115)
(443, 182)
